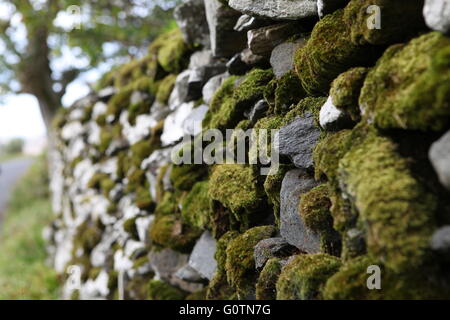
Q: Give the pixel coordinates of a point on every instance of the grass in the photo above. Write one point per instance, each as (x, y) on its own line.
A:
(23, 272)
(9, 156)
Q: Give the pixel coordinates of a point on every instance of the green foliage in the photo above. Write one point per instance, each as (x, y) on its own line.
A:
(23, 271)
(305, 275)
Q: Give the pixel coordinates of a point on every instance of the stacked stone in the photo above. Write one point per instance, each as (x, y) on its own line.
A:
(363, 123)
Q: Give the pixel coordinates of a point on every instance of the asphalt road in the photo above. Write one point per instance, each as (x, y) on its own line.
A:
(10, 172)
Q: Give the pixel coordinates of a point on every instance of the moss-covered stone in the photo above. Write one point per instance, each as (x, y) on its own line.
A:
(228, 104)
(236, 188)
(240, 263)
(159, 290)
(144, 199)
(165, 88)
(288, 91)
(184, 176)
(96, 180)
(129, 226)
(329, 52)
(272, 187)
(266, 284)
(409, 87)
(399, 20)
(197, 295)
(308, 104)
(172, 51)
(120, 101)
(169, 231)
(393, 206)
(305, 275)
(345, 91)
(219, 289)
(314, 208)
(195, 208)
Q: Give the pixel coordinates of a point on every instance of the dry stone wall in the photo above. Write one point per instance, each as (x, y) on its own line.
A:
(362, 117)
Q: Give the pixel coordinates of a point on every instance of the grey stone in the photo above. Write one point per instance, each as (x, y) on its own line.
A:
(236, 66)
(198, 77)
(263, 40)
(191, 18)
(258, 111)
(333, 119)
(355, 243)
(437, 15)
(440, 241)
(180, 90)
(202, 256)
(277, 9)
(271, 248)
(225, 41)
(166, 262)
(246, 22)
(138, 97)
(439, 155)
(292, 228)
(254, 60)
(192, 125)
(325, 7)
(298, 139)
(201, 58)
(212, 85)
(282, 57)
(189, 274)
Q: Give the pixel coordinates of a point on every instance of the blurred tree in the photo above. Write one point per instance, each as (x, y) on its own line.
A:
(34, 34)
(14, 146)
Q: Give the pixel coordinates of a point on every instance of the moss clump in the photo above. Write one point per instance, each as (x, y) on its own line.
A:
(394, 16)
(328, 53)
(159, 290)
(168, 205)
(195, 208)
(108, 134)
(87, 236)
(330, 149)
(184, 176)
(266, 284)
(144, 199)
(96, 180)
(197, 295)
(345, 91)
(288, 91)
(136, 178)
(305, 275)
(393, 206)
(129, 226)
(308, 104)
(228, 105)
(168, 231)
(172, 51)
(409, 88)
(236, 188)
(120, 101)
(165, 88)
(314, 208)
(221, 250)
(240, 263)
(219, 289)
(107, 185)
(136, 109)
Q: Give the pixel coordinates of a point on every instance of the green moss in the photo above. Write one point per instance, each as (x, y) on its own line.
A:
(129, 226)
(345, 91)
(219, 289)
(197, 295)
(136, 177)
(107, 185)
(393, 206)
(221, 250)
(136, 109)
(266, 284)
(409, 87)
(108, 134)
(165, 88)
(240, 263)
(123, 164)
(173, 52)
(94, 272)
(87, 236)
(288, 92)
(142, 261)
(236, 188)
(168, 204)
(120, 101)
(195, 209)
(228, 105)
(159, 290)
(144, 199)
(314, 208)
(308, 104)
(60, 118)
(305, 275)
(330, 149)
(87, 113)
(184, 176)
(96, 179)
(329, 52)
(394, 16)
(169, 231)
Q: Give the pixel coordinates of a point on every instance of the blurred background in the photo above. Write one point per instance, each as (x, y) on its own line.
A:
(52, 53)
